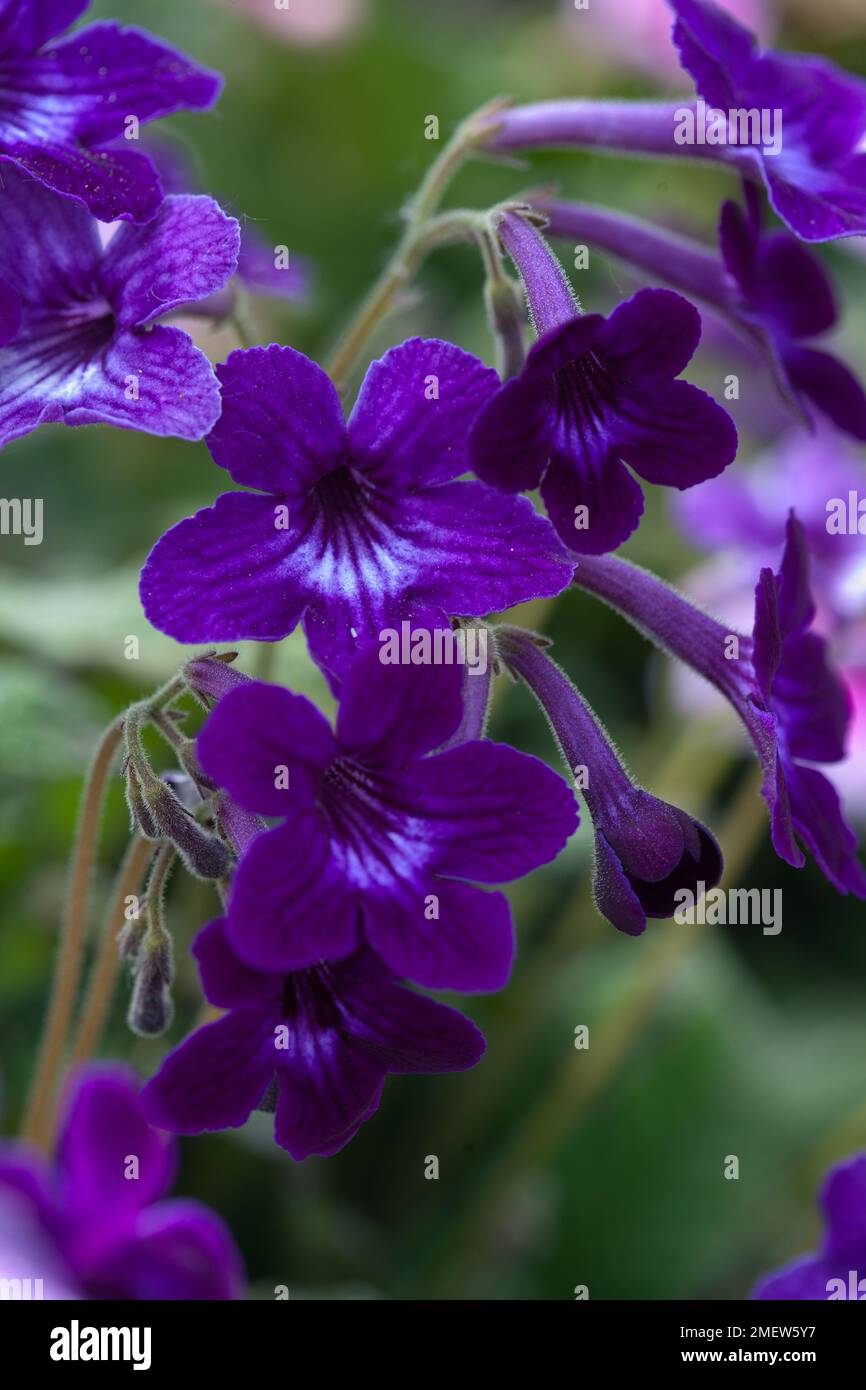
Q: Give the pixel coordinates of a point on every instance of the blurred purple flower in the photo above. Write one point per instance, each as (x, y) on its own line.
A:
(376, 840)
(64, 104)
(314, 1046)
(597, 394)
(838, 1270)
(646, 851)
(92, 1225)
(817, 181)
(354, 528)
(793, 702)
(768, 285)
(79, 343)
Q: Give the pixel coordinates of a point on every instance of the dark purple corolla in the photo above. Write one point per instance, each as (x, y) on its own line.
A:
(64, 105)
(314, 1046)
(838, 1270)
(355, 527)
(594, 395)
(79, 341)
(793, 702)
(646, 851)
(92, 1223)
(377, 841)
(816, 181)
(769, 285)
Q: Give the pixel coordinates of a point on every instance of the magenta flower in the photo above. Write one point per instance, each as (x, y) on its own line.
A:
(646, 851)
(838, 1269)
(314, 1046)
(355, 527)
(594, 396)
(375, 840)
(79, 342)
(65, 104)
(92, 1224)
(795, 706)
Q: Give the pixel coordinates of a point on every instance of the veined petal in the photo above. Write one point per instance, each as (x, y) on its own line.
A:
(226, 980)
(188, 251)
(256, 731)
(111, 184)
(494, 813)
(328, 1088)
(225, 574)
(417, 404)
(281, 427)
(449, 935)
(217, 1077)
(597, 481)
(291, 904)
(673, 434)
(650, 337)
(26, 25)
(391, 714)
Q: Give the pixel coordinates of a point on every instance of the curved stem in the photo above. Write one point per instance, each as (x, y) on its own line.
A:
(105, 968)
(419, 237)
(37, 1126)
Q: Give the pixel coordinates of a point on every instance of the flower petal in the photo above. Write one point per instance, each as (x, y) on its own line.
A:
(480, 552)
(416, 407)
(181, 1250)
(103, 1124)
(404, 1030)
(495, 814)
(804, 1279)
(328, 1088)
(157, 381)
(189, 250)
(220, 575)
(843, 1198)
(228, 981)
(390, 715)
(108, 183)
(830, 385)
(447, 935)
(257, 730)
(217, 1077)
(26, 25)
(281, 427)
(290, 904)
(651, 336)
(674, 434)
(601, 484)
(816, 812)
(614, 895)
(510, 440)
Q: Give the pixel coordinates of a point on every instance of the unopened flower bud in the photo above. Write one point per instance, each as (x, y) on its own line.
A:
(202, 853)
(151, 1008)
(211, 676)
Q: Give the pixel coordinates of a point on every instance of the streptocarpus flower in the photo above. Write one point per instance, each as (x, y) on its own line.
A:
(816, 181)
(356, 528)
(93, 1225)
(810, 158)
(646, 851)
(314, 1046)
(768, 284)
(795, 706)
(594, 395)
(64, 104)
(377, 841)
(79, 342)
(838, 1269)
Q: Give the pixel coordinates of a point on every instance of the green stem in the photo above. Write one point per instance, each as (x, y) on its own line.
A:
(414, 244)
(37, 1127)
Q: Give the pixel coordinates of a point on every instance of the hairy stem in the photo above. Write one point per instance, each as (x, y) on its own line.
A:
(37, 1128)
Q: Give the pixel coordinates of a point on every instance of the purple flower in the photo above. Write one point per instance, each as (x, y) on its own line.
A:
(79, 344)
(64, 103)
(838, 1270)
(375, 840)
(646, 851)
(356, 528)
(768, 285)
(314, 1046)
(597, 394)
(795, 706)
(785, 295)
(92, 1225)
(817, 181)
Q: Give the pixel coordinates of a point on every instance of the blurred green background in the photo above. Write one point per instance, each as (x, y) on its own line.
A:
(558, 1167)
